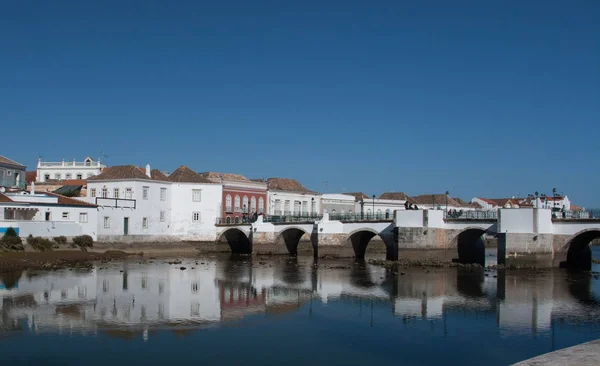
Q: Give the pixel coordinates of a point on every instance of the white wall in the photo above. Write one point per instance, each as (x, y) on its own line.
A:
(409, 218)
(209, 208)
(292, 196)
(149, 208)
(516, 220)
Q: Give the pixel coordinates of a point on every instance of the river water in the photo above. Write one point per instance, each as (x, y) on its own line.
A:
(272, 311)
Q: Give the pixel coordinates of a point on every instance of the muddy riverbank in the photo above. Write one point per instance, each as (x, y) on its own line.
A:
(17, 261)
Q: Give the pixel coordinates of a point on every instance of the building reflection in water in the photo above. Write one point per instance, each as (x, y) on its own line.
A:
(137, 299)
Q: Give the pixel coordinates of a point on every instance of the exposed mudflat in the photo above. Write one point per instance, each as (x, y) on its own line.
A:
(14, 261)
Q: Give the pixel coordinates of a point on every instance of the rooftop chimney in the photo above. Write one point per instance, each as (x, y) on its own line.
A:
(148, 171)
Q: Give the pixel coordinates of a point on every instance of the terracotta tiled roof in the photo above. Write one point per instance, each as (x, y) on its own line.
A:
(575, 207)
(183, 174)
(121, 172)
(67, 182)
(503, 201)
(398, 196)
(438, 199)
(286, 184)
(30, 176)
(3, 198)
(215, 177)
(158, 175)
(358, 195)
(487, 200)
(7, 161)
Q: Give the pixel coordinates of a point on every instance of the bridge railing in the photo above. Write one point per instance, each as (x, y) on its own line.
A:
(360, 217)
(589, 214)
(304, 218)
(234, 221)
(471, 214)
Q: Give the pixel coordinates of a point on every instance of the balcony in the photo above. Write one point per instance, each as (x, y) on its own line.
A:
(48, 164)
(228, 209)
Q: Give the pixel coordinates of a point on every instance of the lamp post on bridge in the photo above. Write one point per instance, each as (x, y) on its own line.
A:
(373, 206)
(447, 193)
(362, 208)
(433, 201)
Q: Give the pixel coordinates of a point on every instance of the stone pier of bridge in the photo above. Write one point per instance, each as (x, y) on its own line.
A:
(524, 237)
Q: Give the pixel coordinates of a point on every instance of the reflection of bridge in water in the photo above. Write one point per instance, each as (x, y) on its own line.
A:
(131, 299)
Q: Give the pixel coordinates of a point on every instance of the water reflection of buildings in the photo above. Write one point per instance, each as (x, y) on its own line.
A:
(137, 299)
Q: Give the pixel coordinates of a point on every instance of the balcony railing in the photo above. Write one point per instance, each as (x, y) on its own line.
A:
(49, 164)
(589, 214)
(471, 214)
(361, 217)
(304, 218)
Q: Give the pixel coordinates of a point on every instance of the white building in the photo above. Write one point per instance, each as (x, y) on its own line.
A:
(12, 174)
(47, 215)
(66, 170)
(136, 204)
(335, 203)
(383, 206)
(287, 197)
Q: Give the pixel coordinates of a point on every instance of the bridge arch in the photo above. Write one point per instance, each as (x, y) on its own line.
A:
(238, 241)
(360, 239)
(470, 246)
(579, 251)
(291, 238)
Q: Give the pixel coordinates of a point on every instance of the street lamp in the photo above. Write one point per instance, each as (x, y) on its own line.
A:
(433, 201)
(554, 196)
(447, 193)
(312, 206)
(373, 205)
(362, 208)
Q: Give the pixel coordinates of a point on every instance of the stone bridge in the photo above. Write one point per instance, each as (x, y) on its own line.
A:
(524, 236)
(343, 238)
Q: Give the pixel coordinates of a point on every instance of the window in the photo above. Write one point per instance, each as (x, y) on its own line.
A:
(106, 222)
(277, 207)
(163, 194)
(144, 222)
(46, 177)
(8, 173)
(305, 207)
(228, 207)
(245, 204)
(128, 193)
(83, 217)
(65, 215)
(93, 192)
(68, 176)
(195, 216)
(162, 216)
(116, 193)
(104, 192)
(286, 207)
(313, 207)
(196, 195)
(57, 176)
(261, 205)
(79, 176)
(145, 193)
(253, 204)
(297, 207)
(237, 202)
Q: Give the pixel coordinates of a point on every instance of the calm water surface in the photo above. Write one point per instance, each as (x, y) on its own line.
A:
(272, 311)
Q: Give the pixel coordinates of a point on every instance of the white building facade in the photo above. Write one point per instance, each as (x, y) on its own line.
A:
(334, 203)
(287, 197)
(65, 170)
(147, 206)
(47, 215)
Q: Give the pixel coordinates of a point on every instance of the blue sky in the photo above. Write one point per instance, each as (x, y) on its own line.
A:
(481, 98)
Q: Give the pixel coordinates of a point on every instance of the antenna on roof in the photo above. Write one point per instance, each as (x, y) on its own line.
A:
(103, 155)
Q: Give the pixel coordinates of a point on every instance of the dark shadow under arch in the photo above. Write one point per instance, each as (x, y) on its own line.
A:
(470, 246)
(360, 240)
(237, 240)
(291, 238)
(579, 253)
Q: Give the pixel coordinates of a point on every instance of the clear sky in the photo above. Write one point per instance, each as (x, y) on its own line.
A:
(481, 98)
